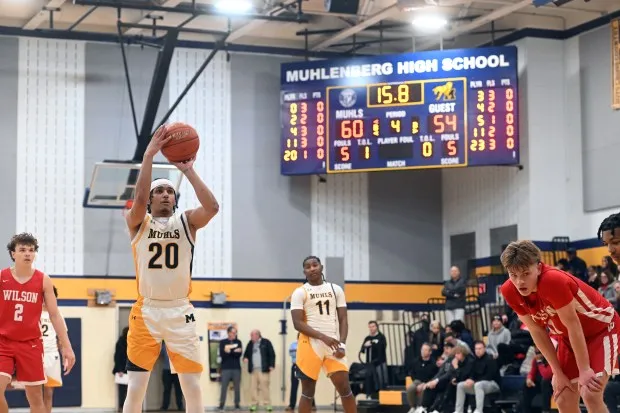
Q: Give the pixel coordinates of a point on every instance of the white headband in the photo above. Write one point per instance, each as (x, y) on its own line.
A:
(162, 182)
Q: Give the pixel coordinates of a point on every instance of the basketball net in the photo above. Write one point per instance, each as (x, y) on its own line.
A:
(127, 207)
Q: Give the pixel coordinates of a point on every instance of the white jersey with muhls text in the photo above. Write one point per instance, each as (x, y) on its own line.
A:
(48, 334)
(319, 303)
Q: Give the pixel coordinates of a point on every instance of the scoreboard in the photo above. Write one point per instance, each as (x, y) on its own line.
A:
(451, 108)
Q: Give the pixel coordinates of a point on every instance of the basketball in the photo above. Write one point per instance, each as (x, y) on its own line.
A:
(184, 143)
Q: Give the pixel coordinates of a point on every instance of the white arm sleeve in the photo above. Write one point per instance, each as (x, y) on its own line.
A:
(340, 299)
(297, 299)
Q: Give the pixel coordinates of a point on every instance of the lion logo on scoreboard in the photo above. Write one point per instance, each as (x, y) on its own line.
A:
(445, 91)
(347, 98)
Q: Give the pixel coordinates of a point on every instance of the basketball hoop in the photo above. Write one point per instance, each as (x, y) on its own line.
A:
(128, 205)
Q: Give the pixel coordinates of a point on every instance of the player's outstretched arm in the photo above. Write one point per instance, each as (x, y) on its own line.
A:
(209, 207)
(58, 323)
(136, 214)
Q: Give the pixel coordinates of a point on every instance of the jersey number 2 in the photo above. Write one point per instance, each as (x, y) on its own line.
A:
(44, 328)
(320, 304)
(171, 253)
(19, 309)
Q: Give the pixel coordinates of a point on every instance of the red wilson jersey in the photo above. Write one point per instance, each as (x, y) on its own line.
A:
(556, 289)
(20, 306)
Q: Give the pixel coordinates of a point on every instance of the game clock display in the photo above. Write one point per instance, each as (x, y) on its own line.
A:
(453, 108)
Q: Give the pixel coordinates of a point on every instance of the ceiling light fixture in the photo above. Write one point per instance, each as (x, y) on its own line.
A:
(429, 22)
(234, 6)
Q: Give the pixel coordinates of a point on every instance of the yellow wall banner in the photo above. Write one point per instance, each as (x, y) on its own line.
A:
(615, 64)
(217, 333)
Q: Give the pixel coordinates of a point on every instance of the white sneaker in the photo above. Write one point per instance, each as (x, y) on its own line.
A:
(420, 409)
(412, 410)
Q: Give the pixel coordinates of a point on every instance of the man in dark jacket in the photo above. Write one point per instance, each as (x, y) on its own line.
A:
(440, 386)
(230, 353)
(261, 360)
(422, 370)
(454, 290)
(482, 379)
(374, 348)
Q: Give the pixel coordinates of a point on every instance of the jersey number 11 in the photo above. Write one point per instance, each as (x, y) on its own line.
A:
(320, 304)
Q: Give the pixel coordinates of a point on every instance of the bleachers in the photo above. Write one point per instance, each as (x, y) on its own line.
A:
(483, 303)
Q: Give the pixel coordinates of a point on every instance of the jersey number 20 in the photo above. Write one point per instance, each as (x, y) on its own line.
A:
(171, 255)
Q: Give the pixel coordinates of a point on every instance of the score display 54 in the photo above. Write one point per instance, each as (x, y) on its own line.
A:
(405, 122)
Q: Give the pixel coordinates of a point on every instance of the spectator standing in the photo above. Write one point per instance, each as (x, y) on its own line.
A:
(374, 347)
(261, 360)
(230, 353)
(454, 290)
(120, 367)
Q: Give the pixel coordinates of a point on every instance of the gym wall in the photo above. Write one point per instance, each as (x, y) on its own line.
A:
(252, 304)
(568, 129)
(74, 110)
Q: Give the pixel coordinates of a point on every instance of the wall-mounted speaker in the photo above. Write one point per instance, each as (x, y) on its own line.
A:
(342, 6)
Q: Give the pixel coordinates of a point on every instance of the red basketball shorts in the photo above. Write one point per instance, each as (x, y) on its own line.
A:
(602, 349)
(24, 359)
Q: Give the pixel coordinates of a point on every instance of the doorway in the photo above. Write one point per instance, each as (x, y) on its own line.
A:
(155, 390)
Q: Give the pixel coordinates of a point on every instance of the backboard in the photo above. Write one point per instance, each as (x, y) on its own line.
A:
(113, 182)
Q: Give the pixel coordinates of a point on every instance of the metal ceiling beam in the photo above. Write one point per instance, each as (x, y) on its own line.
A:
(82, 18)
(255, 24)
(42, 15)
(198, 11)
(350, 31)
(179, 29)
(378, 27)
(147, 20)
(474, 24)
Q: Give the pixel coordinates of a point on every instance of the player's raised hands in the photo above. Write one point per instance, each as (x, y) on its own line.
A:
(185, 165)
(158, 140)
(68, 358)
(589, 381)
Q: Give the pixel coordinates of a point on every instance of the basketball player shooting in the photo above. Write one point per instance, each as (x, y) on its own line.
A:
(584, 323)
(24, 290)
(162, 241)
(319, 312)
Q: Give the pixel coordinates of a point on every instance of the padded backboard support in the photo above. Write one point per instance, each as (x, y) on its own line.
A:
(113, 182)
